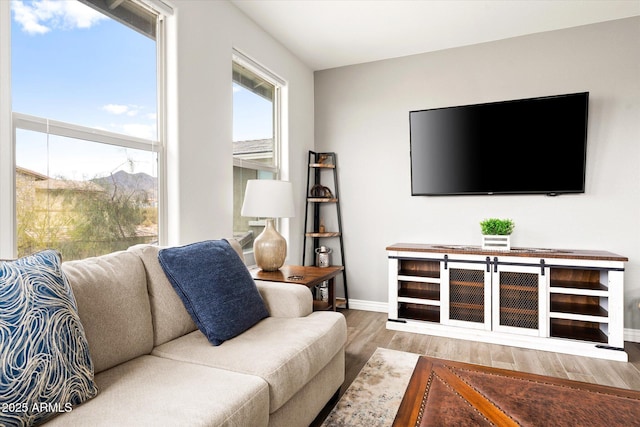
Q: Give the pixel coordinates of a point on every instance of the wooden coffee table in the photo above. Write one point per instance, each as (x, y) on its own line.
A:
(443, 392)
(308, 276)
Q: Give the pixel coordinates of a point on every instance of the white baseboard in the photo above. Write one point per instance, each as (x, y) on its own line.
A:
(632, 335)
(358, 304)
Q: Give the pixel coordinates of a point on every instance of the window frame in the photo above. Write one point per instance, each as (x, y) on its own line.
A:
(7, 167)
(279, 85)
(84, 133)
(10, 121)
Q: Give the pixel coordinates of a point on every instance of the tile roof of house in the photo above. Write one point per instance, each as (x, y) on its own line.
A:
(253, 146)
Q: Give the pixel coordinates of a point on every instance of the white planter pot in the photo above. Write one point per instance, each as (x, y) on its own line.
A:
(496, 243)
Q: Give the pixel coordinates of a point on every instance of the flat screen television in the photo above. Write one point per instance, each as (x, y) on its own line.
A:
(525, 146)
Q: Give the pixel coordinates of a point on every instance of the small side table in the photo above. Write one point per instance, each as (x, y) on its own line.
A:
(308, 276)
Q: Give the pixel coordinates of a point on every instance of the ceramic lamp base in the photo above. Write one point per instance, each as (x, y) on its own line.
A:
(270, 248)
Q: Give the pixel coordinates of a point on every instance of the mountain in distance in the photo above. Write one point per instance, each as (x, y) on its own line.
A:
(126, 183)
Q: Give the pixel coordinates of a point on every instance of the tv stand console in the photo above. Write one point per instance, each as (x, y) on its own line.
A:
(567, 301)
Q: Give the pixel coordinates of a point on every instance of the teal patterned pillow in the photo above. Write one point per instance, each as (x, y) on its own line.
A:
(45, 367)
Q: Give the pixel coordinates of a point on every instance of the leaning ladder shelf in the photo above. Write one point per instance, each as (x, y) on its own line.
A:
(318, 195)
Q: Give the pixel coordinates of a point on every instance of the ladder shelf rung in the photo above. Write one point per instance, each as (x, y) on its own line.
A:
(326, 234)
(321, 165)
(322, 199)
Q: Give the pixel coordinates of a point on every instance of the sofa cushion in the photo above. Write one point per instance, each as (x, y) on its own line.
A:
(43, 350)
(170, 317)
(151, 391)
(111, 291)
(286, 352)
(215, 287)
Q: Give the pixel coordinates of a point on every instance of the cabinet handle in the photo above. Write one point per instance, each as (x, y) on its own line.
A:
(446, 260)
(488, 265)
(495, 264)
(542, 266)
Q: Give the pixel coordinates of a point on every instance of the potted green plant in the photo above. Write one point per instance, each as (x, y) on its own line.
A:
(496, 233)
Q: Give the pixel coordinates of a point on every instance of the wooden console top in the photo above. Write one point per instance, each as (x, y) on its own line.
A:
(521, 252)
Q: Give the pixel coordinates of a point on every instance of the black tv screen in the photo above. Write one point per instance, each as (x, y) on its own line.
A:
(525, 146)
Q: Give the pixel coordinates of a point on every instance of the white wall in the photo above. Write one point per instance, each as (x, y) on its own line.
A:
(200, 150)
(361, 112)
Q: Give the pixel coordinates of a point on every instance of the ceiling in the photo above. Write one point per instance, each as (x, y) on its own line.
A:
(333, 33)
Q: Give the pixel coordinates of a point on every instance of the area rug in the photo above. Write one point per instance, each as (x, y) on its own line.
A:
(374, 397)
(421, 391)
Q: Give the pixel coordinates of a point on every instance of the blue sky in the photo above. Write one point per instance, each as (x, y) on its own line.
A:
(252, 115)
(70, 63)
(73, 64)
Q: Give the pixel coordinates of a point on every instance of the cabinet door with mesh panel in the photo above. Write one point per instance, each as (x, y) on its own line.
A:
(467, 299)
(519, 299)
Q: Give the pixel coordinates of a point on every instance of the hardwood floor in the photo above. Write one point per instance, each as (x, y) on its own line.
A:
(367, 331)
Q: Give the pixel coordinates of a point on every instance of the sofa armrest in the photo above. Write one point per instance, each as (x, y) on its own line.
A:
(285, 299)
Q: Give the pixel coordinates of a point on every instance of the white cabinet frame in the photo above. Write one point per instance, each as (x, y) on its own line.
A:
(579, 297)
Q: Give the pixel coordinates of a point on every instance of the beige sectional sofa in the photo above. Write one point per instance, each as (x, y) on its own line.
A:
(153, 367)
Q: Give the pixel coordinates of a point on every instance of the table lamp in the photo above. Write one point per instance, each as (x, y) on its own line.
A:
(269, 199)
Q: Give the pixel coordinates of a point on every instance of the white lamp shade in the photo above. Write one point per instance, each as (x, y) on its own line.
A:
(268, 199)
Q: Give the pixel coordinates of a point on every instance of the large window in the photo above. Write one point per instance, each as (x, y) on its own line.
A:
(87, 138)
(256, 137)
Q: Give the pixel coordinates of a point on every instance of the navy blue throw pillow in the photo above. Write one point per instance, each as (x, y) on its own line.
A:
(216, 288)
